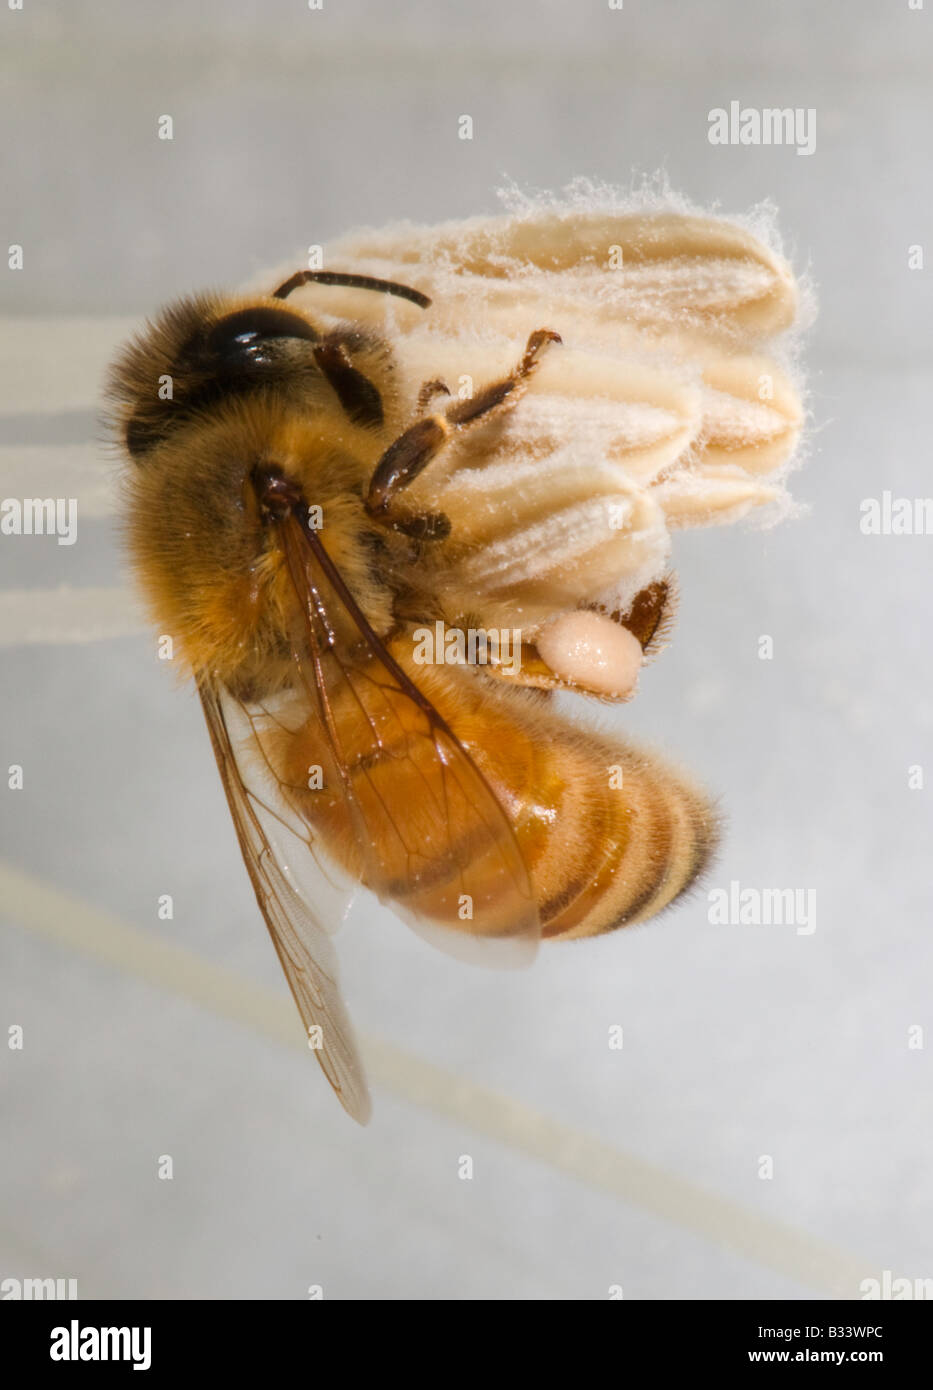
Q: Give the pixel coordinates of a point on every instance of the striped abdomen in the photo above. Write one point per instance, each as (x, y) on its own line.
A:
(607, 835)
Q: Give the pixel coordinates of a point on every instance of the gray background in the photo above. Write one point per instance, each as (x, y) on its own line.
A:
(292, 126)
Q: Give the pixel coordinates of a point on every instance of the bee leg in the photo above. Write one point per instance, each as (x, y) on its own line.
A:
(430, 526)
(465, 412)
(429, 390)
(414, 449)
(651, 614)
(357, 394)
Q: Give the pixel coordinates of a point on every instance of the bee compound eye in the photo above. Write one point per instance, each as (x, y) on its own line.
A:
(244, 340)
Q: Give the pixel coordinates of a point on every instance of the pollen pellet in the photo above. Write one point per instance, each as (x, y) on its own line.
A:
(591, 650)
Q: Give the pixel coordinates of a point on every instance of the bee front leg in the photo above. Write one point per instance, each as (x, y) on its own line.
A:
(357, 394)
(414, 449)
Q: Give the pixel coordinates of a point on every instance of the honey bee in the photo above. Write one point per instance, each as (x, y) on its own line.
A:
(474, 429)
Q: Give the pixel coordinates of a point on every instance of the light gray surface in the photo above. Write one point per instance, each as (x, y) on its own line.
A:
(291, 126)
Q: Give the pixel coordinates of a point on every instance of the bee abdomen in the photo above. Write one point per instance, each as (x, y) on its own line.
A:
(608, 835)
(645, 846)
(627, 835)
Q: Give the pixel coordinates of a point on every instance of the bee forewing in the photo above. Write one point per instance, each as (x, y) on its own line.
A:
(404, 799)
(255, 729)
(277, 859)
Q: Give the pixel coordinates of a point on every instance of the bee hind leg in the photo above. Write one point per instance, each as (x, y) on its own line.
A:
(416, 446)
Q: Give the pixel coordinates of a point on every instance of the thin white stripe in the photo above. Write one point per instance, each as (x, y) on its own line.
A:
(66, 615)
(48, 365)
(60, 470)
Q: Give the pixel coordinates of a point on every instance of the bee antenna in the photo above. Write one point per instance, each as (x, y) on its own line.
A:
(353, 282)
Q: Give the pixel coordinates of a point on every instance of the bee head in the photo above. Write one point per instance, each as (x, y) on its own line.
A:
(198, 354)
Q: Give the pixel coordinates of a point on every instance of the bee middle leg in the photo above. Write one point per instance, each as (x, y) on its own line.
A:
(414, 449)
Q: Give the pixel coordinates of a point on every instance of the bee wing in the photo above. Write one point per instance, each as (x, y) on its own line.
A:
(429, 835)
(301, 941)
